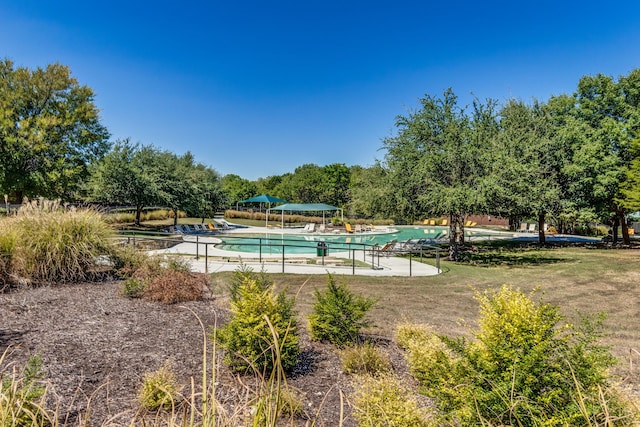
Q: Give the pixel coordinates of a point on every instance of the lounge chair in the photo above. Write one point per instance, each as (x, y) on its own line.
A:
(359, 228)
(322, 228)
(347, 227)
(532, 227)
(311, 227)
(425, 222)
(221, 225)
(212, 227)
(445, 222)
(225, 224)
(387, 248)
(523, 226)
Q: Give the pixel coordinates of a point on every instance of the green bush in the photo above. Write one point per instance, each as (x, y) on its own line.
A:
(384, 401)
(132, 287)
(244, 273)
(338, 314)
(159, 389)
(364, 359)
(248, 338)
(523, 368)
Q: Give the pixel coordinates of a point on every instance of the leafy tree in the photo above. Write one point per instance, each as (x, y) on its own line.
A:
(268, 185)
(50, 131)
(371, 194)
(304, 185)
(187, 185)
(234, 189)
(599, 130)
(335, 183)
(436, 161)
(128, 175)
(630, 189)
(526, 166)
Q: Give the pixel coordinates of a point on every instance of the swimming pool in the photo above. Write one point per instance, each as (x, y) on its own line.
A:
(275, 243)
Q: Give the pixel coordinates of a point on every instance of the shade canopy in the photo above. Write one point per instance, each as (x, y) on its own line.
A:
(305, 207)
(264, 198)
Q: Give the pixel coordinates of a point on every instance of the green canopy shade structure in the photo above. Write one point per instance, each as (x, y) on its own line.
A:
(305, 207)
(264, 198)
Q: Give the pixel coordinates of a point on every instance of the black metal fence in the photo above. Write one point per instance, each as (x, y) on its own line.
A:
(361, 255)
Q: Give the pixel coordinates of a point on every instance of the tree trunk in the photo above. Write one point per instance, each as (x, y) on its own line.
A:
(541, 236)
(625, 229)
(138, 214)
(175, 216)
(456, 235)
(614, 231)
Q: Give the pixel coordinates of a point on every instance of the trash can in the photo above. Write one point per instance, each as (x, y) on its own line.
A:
(322, 249)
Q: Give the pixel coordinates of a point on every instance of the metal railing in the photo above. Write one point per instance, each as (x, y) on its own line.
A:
(370, 254)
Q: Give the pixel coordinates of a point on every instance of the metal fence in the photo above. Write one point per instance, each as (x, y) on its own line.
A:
(362, 255)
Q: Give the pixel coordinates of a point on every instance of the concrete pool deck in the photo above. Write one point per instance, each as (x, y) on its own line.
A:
(218, 260)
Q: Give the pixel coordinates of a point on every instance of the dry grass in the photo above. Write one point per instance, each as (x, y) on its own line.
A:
(579, 280)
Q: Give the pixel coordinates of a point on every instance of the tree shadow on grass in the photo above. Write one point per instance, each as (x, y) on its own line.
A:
(512, 257)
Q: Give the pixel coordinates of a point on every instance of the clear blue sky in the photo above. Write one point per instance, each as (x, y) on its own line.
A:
(257, 88)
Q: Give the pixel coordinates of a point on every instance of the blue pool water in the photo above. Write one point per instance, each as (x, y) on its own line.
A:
(308, 243)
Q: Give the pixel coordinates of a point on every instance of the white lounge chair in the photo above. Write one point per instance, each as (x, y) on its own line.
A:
(532, 227)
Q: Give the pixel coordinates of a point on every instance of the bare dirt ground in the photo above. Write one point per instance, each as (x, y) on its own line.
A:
(97, 345)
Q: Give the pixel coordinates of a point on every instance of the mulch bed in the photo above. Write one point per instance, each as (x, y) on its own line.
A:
(97, 344)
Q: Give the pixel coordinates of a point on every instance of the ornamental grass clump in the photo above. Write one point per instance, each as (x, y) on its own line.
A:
(159, 389)
(384, 401)
(23, 394)
(524, 367)
(364, 359)
(52, 244)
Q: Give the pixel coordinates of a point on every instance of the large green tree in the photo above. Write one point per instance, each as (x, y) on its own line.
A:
(436, 161)
(601, 125)
(235, 189)
(187, 185)
(50, 131)
(525, 166)
(127, 176)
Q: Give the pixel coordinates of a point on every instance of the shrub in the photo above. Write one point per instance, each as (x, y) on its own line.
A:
(159, 389)
(364, 359)
(384, 401)
(338, 314)
(126, 259)
(244, 273)
(248, 338)
(132, 287)
(22, 395)
(174, 286)
(522, 368)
